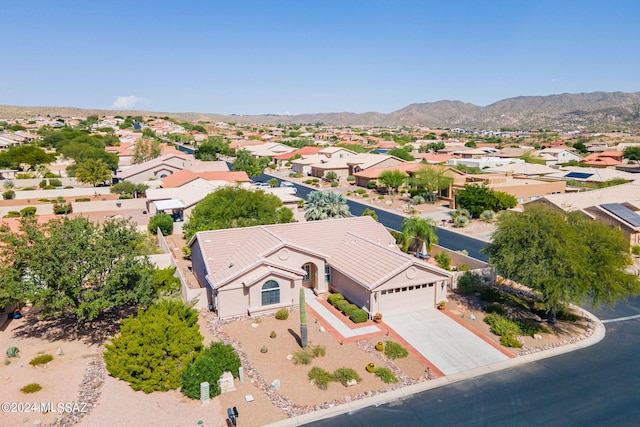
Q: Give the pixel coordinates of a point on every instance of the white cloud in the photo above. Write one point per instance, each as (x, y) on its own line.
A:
(126, 102)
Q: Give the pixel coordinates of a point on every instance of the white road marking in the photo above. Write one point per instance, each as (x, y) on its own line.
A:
(622, 319)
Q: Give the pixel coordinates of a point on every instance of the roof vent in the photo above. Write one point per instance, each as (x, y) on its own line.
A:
(230, 264)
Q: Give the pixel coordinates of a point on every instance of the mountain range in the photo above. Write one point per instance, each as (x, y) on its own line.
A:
(597, 111)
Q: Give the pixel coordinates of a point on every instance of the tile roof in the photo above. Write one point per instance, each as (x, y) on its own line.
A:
(624, 193)
(359, 247)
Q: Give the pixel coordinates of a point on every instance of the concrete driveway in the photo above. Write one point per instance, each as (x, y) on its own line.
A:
(445, 343)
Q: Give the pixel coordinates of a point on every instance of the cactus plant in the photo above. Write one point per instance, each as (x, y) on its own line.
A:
(303, 320)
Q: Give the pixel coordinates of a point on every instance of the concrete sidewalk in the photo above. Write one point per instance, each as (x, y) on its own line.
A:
(448, 345)
(336, 323)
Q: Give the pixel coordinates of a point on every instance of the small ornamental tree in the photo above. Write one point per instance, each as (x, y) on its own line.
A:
(155, 347)
(162, 221)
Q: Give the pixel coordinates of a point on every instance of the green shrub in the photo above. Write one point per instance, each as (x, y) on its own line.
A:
(348, 309)
(225, 356)
(162, 221)
(28, 188)
(13, 214)
(202, 369)
(31, 388)
(531, 327)
(125, 196)
(341, 304)
(501, 326)
(386, 375)
(43, 183)
(62, 208)
(320, 377)
(83, 199)
(334, 298)
(164, 280)
(359, 316)
(44, 200)
(444, 260)
(510, 341)
(351, 178)
(334, 184)
(9, 194)
(25, 175)
(417, 200)
(303, 357)
(55, 182)
(635, 250)
(49, 187)
(273, 334)
(28, 211)
(318, 351)
(344, 375)
(495, 308)
(361, 191)
(461, 221)
(469, 282)
(264, 349)
(41, 360)
(488, 216)
(282, 314)
(155, 347)
(393, 350)
(372, 185)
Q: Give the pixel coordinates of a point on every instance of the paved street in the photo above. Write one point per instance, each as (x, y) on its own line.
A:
(595, 386)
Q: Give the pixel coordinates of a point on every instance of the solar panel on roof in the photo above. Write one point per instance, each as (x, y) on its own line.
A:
(578, 175)
(623, 212)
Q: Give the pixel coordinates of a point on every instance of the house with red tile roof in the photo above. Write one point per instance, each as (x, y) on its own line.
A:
(185, 176)
(258, 270)
(604, 159)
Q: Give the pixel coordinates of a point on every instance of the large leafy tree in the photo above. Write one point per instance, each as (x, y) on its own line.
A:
(326, 205)
(246, 162)
(392, 179)
(232, 207)
(93, 172)
(567, 258)
(432, 178)
(403, 153)
(29, 155)
(146, 149)
(631, 153)
(74, 265)
(154, 348)
(211, 148)
(479, 198)
(417, 230)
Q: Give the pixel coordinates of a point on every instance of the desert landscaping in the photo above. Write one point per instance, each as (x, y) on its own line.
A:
(76, 375)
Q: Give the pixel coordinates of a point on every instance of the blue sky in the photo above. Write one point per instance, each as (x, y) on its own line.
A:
(311, 56)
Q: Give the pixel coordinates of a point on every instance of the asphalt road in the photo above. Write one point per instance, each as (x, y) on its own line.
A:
(596, 386)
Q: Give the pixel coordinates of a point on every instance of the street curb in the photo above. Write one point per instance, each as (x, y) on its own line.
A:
(405, 392)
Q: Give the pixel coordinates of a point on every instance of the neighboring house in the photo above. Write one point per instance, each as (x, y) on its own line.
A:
(513, 152)
(338, 155)
(554, 156)
(618, 206)
(258, 270)
(163, 166)
(592, 175)
(185, 176)
(268, 149)
(281, 159)
(523, 189)
(529, 170)
(604, 159)
(180, 200)
(484, 162)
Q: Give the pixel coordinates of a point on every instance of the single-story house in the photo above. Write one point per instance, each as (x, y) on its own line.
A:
(163, 166)
(258, 270)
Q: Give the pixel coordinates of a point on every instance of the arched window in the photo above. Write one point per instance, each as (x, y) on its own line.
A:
(270, 293)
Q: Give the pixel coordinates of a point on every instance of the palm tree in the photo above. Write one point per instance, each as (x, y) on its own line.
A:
(326, 205)
(420, 230)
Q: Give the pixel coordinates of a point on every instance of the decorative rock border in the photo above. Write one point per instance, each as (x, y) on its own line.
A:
(90, 391)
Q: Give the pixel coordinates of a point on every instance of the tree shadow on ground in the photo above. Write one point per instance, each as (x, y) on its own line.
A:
(67, 328)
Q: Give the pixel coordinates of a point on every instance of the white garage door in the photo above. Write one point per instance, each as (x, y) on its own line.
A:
(407, 298)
